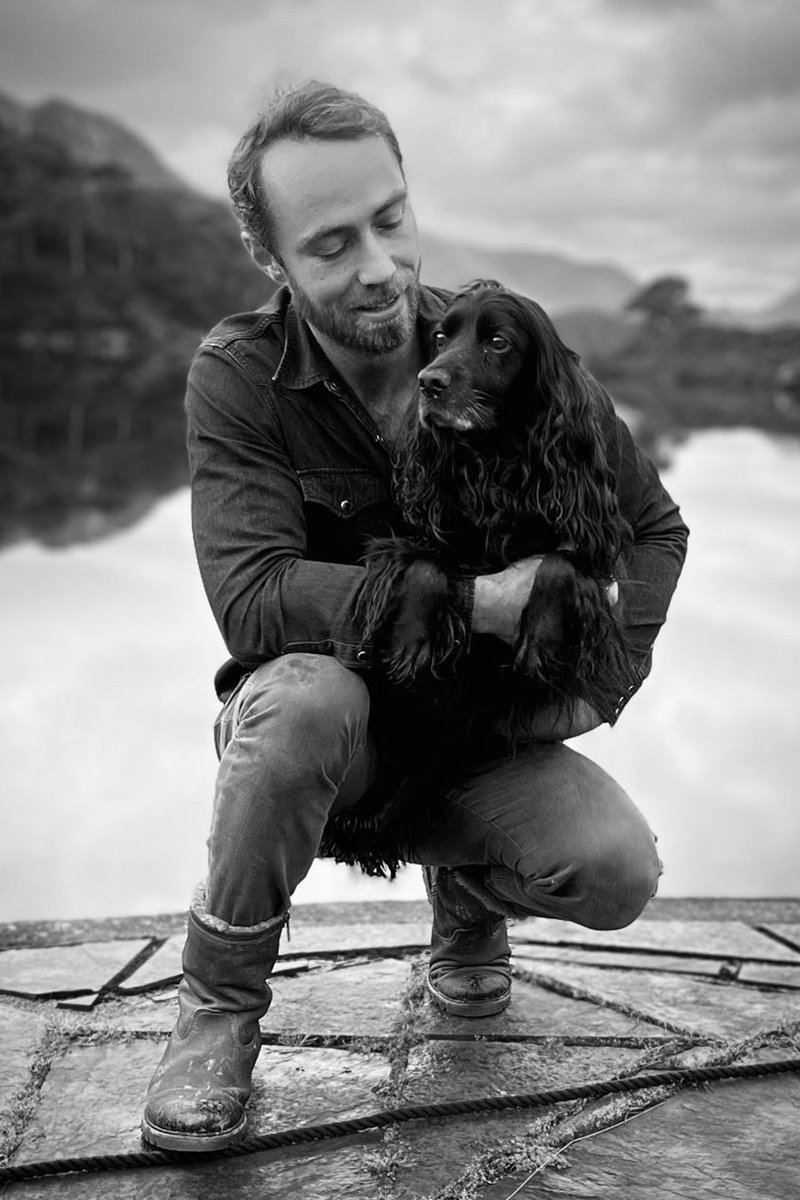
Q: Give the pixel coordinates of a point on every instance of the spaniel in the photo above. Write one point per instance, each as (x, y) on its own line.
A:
(503, 459)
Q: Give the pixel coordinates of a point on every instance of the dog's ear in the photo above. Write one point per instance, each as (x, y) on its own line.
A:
(547, 359)
(576, 488)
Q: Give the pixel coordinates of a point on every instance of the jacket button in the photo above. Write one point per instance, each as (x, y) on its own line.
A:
(362, 654)
(345, 506)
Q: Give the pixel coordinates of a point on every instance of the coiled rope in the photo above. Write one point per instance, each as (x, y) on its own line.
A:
(397, 1116)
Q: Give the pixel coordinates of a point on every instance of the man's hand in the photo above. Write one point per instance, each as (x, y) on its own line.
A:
(500, 599)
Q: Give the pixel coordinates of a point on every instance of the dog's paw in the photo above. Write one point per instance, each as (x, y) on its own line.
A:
(540, 640)
(405, 662)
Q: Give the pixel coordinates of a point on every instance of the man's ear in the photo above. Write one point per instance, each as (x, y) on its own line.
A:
(263, 259)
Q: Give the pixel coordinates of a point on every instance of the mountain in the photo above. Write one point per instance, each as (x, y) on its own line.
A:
(558, 283)
(785, 312)
(593, 334)
(98, 236)
(90, 139)
(111, 270)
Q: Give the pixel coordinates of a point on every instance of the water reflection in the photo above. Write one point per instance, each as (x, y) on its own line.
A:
(88, 441)
(109, 649)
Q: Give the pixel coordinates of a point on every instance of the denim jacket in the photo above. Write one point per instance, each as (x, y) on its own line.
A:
(290, 476)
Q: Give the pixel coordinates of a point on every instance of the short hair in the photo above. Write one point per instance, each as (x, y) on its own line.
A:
(298, 113)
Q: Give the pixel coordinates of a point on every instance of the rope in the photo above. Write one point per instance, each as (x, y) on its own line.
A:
(396, 1116)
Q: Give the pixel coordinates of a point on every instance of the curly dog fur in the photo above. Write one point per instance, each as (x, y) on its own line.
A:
(502, 459)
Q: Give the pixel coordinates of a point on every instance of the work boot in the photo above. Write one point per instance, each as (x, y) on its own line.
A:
(197, 1097)
(469, 973)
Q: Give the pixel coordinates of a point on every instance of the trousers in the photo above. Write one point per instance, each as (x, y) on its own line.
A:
(541, 832)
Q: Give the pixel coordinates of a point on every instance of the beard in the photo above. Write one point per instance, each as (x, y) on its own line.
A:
(341, 321)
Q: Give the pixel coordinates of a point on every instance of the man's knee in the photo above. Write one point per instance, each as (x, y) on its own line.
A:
(617, 880)
(313, 694)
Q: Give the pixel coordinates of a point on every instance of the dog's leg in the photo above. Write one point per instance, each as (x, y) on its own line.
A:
(569, 635)
(408, 606)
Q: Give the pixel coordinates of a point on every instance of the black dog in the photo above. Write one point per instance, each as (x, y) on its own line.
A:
(503, 460)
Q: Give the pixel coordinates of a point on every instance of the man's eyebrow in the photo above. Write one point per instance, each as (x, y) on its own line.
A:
(326, 231)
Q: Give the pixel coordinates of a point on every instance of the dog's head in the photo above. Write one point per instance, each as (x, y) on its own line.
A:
(497, 359)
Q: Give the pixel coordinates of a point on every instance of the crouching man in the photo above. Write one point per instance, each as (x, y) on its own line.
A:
(292, 412)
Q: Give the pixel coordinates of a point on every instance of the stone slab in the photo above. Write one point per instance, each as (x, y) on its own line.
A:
(162, 967)
(766, 974)
(791, 932)
(445, 1070)
(166, 966)
(65, 970)
(348, 1001)
(20, 1035)
(771, 975)
(539, 1012)
(145, 1013)
(439, 1150)
(306, 940)
(730, 1141)
(82, 1003)
(369, 938)
(92, 1099)
(362, 1000)
(722, 1010)
(715, 968)
(709, 939)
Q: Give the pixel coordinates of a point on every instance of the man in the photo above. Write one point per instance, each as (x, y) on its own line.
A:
(292, 414)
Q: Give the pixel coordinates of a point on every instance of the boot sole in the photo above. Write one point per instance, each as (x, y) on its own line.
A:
(468, 1008)
(198, 1143)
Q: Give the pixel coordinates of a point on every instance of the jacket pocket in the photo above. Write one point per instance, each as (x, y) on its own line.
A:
(343, 492)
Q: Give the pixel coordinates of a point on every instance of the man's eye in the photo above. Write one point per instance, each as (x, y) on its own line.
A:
(499, 343)
(392, 219)
(332, 252)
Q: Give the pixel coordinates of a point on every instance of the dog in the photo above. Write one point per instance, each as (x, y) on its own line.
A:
(502, 459)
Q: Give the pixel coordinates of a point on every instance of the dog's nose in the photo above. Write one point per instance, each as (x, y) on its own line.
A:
(434, 380)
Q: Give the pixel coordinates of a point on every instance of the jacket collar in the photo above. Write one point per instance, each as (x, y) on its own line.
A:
(303, 363)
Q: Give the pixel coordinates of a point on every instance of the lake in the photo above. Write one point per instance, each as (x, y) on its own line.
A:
(106, 706)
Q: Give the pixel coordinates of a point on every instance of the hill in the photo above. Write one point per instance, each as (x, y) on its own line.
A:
(111, 269)
(556, 282)
(785, 312)
(98, 237)
(89, 139)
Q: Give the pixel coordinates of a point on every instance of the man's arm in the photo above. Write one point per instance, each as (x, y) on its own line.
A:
(249, 527)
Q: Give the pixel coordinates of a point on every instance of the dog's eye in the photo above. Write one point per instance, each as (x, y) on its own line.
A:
(439, 339)
(499, 343)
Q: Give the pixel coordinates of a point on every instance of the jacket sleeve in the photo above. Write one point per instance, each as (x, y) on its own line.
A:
(249, 526)
(649, 569)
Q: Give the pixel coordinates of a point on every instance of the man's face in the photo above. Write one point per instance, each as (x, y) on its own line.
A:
(347, 239)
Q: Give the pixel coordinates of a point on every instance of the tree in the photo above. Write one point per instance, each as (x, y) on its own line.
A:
(665, 302)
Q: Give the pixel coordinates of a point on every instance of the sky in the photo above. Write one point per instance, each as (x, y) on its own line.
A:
(659, 135)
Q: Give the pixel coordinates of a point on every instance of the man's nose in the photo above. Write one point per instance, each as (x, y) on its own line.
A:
(376, 264)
